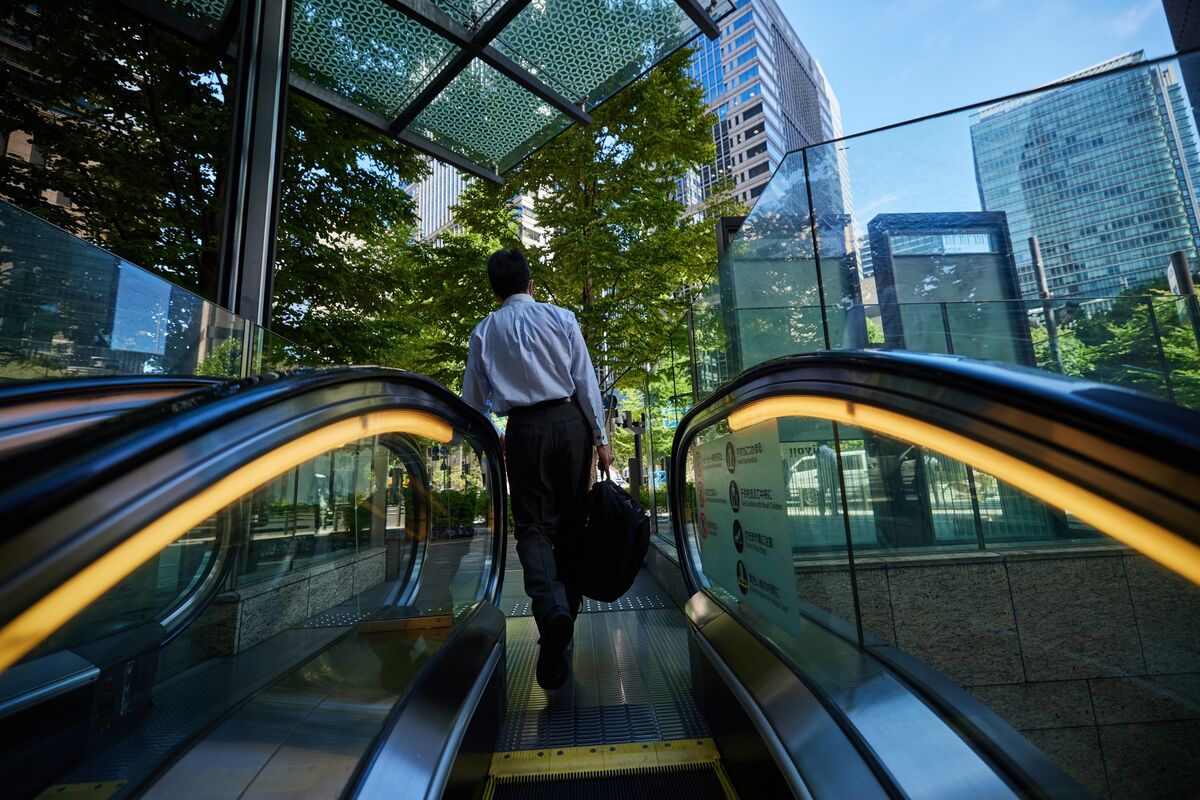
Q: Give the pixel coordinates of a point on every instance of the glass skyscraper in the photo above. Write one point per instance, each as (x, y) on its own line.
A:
(1103, 173)
(769, 95)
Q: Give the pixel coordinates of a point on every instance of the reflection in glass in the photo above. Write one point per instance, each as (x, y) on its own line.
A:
(71, 309)
(1073, 638)
(395, 524)
(116, 131)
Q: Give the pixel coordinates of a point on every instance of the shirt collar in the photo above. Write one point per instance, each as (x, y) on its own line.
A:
(519, 297)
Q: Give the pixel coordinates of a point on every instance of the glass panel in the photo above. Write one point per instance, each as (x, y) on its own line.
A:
(925, 239)
(1079, 642)
(764, 301)
(471, 13)
(273, 352)
(365, 51)
(70, 309)
(135, 155)
(489, 118)
(668, 397)
(359, 511)
(152, 592)
(766, 523)
(621, 40)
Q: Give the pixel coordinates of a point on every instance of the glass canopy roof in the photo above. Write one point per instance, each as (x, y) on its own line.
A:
(479, 83)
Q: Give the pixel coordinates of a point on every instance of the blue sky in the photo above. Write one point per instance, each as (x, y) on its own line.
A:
(893, 60)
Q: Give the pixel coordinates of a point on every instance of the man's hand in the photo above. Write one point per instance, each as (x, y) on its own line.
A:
(604, 458)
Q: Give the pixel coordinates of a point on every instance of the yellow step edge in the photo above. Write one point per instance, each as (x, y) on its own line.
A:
(603, 758)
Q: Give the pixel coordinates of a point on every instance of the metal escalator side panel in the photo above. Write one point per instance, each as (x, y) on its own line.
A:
(211, 490)
(957, 488)
(438, 742)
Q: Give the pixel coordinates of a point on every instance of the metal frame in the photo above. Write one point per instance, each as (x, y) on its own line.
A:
(475, 45)
(701, 16)
(256, 158)
(263, 30)
(220, 41)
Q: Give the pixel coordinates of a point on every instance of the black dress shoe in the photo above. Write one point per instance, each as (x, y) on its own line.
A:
(552, 665)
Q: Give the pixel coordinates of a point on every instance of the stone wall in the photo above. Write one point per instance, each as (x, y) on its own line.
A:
(1093, 654)
(242, 618)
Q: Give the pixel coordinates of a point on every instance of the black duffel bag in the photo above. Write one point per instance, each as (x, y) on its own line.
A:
(614, 543)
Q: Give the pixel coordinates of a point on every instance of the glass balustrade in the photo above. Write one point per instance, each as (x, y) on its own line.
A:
(1039, 230)
(69, 308)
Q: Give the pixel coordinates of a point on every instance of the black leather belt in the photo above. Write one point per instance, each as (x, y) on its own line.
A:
(544, 404)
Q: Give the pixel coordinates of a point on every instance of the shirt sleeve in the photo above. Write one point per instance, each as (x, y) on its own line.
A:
(477, 391)
(587, 388)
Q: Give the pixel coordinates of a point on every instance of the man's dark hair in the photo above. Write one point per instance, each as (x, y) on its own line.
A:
(508, 272)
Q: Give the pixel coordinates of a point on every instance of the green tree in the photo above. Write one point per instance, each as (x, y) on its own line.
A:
(618, 250)
(225, 360)
(1117, 344)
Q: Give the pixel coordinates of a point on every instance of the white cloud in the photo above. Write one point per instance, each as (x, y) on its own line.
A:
(1129, 22)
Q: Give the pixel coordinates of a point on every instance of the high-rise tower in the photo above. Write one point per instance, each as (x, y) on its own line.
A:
(1103, 173)
(769, 95)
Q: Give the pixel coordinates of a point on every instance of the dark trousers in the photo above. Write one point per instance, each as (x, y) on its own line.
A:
(549, 457)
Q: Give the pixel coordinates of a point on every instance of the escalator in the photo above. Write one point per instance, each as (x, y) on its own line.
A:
(301, 585)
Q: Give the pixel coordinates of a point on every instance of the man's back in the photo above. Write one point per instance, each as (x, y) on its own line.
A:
(526, 353)
(525, 350)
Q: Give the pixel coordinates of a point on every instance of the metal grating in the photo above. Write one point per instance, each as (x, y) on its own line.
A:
(644, 595)
(630, 682)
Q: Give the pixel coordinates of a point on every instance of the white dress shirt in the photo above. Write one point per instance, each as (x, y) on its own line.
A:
(527, 352)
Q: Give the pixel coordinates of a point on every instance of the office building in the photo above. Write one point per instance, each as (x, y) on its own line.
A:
(435, 196)
(1102, 172)
(438, 192)
(770, 96)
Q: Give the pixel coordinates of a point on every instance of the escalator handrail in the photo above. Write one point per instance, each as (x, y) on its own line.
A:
(35, 413)
(34, 562)
(1134, 447)
(135, 438)
(19, 393)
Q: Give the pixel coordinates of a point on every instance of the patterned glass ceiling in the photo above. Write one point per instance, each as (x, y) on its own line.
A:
(451, 76)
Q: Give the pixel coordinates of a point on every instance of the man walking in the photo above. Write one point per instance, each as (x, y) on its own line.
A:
(528, 360)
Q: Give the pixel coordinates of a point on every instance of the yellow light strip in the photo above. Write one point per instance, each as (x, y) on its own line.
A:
(47, 615)
(1152, 540)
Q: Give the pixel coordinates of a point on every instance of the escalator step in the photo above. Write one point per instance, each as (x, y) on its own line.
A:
(691, 783)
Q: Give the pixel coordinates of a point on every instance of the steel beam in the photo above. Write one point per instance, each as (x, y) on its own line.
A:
(336, 102)
(701, 17)
(523, 78)
(195, 32)
(256, 159)
(479, 46)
